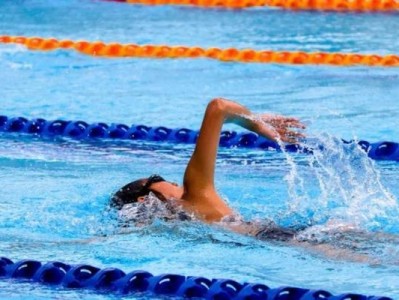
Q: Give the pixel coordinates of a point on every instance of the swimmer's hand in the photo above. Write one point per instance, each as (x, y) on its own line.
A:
(286, 127)
(275, 127)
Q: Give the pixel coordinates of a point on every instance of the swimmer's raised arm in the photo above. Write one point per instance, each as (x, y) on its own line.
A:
(199, 175)
(198, 195)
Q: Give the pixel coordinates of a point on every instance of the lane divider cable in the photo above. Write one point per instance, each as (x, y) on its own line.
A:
(116, 50)
(319, 5)
(81, 130)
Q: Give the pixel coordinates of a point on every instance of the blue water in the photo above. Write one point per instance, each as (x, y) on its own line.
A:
(54, 193)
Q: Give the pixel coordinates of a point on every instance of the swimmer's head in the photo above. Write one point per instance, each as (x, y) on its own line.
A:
(136, 191)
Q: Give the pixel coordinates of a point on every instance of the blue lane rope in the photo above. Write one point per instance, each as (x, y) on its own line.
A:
(83, 130)
(114, 280)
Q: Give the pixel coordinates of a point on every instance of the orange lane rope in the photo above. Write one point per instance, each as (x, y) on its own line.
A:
(333, 5)
(228, 54)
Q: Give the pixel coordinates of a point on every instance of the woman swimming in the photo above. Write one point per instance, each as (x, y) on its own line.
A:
(198, 195)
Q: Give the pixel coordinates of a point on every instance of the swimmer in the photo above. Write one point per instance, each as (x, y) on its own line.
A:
(198, 196)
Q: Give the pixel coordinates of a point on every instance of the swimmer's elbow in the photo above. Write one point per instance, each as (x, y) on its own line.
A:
(218, 106)
(230, 110)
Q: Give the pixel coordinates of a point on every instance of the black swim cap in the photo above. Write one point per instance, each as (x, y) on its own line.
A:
(129, 193)
(133, 190)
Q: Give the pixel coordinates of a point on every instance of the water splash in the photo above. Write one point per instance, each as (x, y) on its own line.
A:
(146, 212)
(339, 185)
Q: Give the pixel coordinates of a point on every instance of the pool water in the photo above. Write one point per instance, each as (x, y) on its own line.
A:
(54, 192)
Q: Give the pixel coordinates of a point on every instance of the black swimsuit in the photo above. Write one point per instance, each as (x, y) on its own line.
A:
(273, 232)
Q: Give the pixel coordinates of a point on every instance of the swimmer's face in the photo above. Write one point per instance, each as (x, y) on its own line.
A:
(163, 189)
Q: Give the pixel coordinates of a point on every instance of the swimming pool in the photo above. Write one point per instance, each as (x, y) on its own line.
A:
(54, 192)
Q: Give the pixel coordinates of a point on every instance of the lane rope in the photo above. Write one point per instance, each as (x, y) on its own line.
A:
(113, 50)
(114, 280)
(82, 130)
(321, 5)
